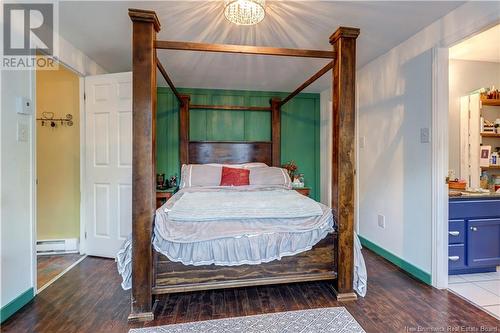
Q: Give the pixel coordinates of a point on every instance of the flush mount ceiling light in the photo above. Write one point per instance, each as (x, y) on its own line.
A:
(245, 12)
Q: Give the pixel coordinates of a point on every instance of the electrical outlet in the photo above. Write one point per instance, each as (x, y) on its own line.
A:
(22, 132)
(381, 221)
(425, 136)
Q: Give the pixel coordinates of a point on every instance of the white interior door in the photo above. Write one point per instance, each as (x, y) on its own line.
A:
(108, 162)
(464, 139)
(474, 140)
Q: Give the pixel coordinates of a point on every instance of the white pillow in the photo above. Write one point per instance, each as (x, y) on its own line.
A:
(270, 176)
(200, 175)
(209, 174)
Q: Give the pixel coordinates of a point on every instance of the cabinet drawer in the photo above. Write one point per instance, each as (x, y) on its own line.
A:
(456, 256)
(474, 209)
(456, 231)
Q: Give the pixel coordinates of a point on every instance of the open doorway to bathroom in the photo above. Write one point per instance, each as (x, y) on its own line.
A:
(474, 170)
(58, 173)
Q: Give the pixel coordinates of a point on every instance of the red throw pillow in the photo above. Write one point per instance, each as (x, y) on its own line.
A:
(234, 177)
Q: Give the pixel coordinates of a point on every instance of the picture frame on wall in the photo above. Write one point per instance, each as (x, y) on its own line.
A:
(484, 156)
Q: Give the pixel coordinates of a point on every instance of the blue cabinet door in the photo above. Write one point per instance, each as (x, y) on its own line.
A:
(483, 238)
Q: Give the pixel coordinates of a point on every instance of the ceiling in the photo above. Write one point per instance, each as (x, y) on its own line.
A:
(103, 31)
(484, 46)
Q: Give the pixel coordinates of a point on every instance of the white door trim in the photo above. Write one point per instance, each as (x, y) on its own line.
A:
(33, 175)
(83, 243)
(439, 147)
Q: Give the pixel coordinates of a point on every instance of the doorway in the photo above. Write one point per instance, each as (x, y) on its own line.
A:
(473, 249)
(58, 173)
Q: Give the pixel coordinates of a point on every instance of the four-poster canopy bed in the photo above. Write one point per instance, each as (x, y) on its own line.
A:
(330, 259)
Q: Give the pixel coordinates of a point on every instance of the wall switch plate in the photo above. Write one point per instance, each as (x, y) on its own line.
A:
(362, 142)
(24, 105)
(381, 221)
(425, 136)
(22, 132)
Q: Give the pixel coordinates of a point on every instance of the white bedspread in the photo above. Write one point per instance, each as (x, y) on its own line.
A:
(231, 240)
(228, 205)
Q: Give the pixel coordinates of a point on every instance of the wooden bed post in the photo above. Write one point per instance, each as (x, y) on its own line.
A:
(184, 129)
(144, 29)
(276, 130)
(343, 162)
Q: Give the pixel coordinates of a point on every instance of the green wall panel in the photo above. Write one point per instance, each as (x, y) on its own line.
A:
(299, 127)
(258, 124)
(198, 118)
(226, 125)
(167, 133)
(299, 141)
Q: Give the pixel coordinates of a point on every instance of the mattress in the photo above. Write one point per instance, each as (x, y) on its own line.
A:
(238, 241)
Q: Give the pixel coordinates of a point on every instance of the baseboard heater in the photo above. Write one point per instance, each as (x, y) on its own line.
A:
(57, 246)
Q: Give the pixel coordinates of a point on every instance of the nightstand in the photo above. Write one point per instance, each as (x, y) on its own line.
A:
(303, 190)
(163, 195)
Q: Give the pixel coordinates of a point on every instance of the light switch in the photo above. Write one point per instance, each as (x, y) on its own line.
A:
(362, 142)
(425, 136)
(22, 132)
(24, 105)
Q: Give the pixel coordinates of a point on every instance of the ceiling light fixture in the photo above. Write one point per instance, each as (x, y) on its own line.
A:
(244, 12)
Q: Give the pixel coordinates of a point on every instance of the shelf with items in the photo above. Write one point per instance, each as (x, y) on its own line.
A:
(489, 129)
(490, 135)
(491, 167)
(491, 97)
(479, 134)
(491, 102)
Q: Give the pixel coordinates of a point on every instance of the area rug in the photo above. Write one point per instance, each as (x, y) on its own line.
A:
(336, 319)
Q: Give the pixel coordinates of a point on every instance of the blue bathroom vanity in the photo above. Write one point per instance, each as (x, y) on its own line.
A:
(474, 234)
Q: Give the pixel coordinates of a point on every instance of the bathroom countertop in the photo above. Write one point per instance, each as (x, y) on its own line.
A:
(479, 196)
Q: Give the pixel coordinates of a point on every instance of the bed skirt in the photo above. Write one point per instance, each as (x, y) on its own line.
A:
(243, 250)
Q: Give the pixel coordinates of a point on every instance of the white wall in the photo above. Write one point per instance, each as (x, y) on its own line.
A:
(17, 176)
(16, 186)
(394, 102)
(77, 60)
(466, 76)
(325, 136)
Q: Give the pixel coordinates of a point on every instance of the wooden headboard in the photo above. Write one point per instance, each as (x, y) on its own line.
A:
(231, 152)
(201, 152)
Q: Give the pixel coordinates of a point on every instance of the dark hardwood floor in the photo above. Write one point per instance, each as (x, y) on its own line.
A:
(89, 299)
(49, 266)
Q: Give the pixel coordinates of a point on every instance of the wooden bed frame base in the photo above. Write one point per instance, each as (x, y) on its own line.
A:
(330, 259)
(313, 265)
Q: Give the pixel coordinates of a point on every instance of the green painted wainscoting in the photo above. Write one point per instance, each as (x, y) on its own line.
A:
(300, 123)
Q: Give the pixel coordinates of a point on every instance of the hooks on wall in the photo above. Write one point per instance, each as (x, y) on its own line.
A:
(48, 119)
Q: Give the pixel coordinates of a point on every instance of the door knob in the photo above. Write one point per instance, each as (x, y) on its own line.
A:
(473, 228)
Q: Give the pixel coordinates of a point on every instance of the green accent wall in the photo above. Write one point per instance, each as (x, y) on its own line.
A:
(300, 126)
(17, 303)
(403, 264)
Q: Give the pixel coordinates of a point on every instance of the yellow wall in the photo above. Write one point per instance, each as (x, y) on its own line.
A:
(58, 156)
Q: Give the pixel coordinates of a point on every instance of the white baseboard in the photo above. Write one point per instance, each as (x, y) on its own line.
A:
(57, 246)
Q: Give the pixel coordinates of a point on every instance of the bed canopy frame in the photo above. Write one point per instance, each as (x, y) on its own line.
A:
(331, 259)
